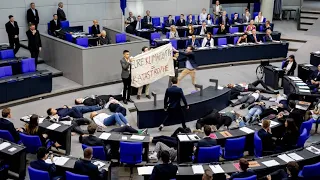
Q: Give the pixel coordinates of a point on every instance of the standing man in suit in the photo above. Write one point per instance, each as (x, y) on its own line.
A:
(217, 10)
(5, 124)
(181, 21)
(40, 164)
(95, 29)
(12, 29)
(205, 142)
(314, 79)
(60, 12)
(55, 25)
(126, 76)
(224, 19)
(34, 42)
(191, 65)
(137, 25)
(33, 15)
(193, 42)
(131, 18)
(268, 144)
(147, 21)
(172, 98)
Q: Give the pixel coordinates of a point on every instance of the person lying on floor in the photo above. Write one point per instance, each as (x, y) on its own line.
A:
(103, 119)
(249, 99)
(74, 112)
(279, 110)
(96, 100)
(255, 110)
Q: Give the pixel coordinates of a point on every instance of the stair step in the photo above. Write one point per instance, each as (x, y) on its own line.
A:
(305, 26)
(306, 20)
(293, 40)
(310, 11)
(308, 17)
(306, 23)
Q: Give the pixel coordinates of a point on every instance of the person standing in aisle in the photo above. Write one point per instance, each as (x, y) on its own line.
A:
(33, 15)
(34, 42)
(126, 76)
(12, 29)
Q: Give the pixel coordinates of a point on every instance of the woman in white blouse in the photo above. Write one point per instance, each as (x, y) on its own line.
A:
(259, 18)
(208, 41)
(173, 32)
(209, 20)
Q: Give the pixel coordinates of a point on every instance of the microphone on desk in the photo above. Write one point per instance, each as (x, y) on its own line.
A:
(200, 87)
(215, 83)
(154, 94)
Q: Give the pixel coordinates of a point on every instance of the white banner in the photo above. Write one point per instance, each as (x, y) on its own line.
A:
(152, 65)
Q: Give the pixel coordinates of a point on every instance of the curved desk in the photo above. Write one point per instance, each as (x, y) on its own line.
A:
(150, 116)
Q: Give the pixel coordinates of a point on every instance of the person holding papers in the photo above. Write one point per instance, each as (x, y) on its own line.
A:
(86, 167)
(193, 42)
(314, 79)
(291, 173)
(268, 144)
(164, 171)
(290, 66)
(208, 41)
(206, 141)
(104, 119)
(244, 170)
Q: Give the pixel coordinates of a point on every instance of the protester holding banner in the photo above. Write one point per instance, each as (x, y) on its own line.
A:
(144, 49)
(126, 76)
(191, 65)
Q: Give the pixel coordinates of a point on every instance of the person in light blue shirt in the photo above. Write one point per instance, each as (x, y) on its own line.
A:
(191, 65)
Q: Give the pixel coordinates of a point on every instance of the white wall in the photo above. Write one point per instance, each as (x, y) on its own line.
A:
(82, 12)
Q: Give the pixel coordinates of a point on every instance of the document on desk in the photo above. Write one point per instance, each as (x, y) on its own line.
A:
(60, 161)
(277, 69)
(220, 87)
(295, 156)
(300, 84)
(304, 90)
(68, 123)
(216, 169)
(146, 170)
(285, 158)
(271, 163)
(197, 169)
(99, 164)
(313, 150)
(4, 145)
(247, 130)
(303, 87)
(183, 138)
(124, 138)
(105, 136)
(12, 149)
(137, 137)
(294, 78)
(53, 126)
(272, 123)
(193, 137)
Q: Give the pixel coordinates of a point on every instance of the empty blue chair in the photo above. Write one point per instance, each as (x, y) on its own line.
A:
(90, 29)
(255, 14)
(165, 18)
(310, 171)
(235, 40)
(131, 153)
(32, 143)
(234, 148)
(167, 35)
(48, 26)
(28, 65)
(264, 20)
(5, 71)
(69, 37)
(98, 151)
(302, 138)
(174, 43)
(121, 38)
(154, 36)
(208, 154)
(232, 16)
(233, 30)
(257, 145)
(6, 135)
(73, 176)
(306, 125)
(156, 22)
(261, 29)
(263, 39)
(176, 18)
(64, 24)
(36, 174)
(84, 42)
(215, 30)
(222, 41)
(254, 177)
(217, 21)
(7, 54)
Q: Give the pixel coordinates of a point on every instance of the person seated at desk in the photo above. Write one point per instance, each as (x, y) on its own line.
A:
(250, 27)
(137, 24)
(5, 124)
(255, 110)
(86, 167)
(173, 32)
(208, 41)
(246, 17)
(104, 119)
(181, 21)
(314, 79)
(203, 16)
(74, 112)
(259, 18)
(268, 36)
(164, 171)
(267, 26)
(291, 173)
(209, 20)
(190, 20)
(130, 19)
(236, 19)
(193, 42)
(55, 25)
(265, 134)
(224, 19)
(242, 39)
(244, 170)
(147, 21)
(208, 175)
(203, 30)
(40, 164)
(95, 29)
(222, 29)
(169, 22)
(290, 137)
(249, 99)
(290, 66)
(104, 39)
(254, 38)
(190, 31)
(216, 120)
(206, 141)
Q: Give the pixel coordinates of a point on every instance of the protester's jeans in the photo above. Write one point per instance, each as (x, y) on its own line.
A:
(253, 113)
(115, 118)
(86, 109)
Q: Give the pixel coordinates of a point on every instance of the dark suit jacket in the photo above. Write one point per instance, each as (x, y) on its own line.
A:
(34, 41)
(43, 166)
(31, 18)
(61, 15)
(168, 24)
(205, 142)
(86, 167)
(191, 58)
(95, 30)
(179, 23)
(293, 67)
(54, 26)
(227, 20)
(242, 174)
(196, 43)
(12, 31)
(164, 172)
(173, 96)
(92, 141)
(145, 21)
(7, 125)
(63, 112)
(193, 22)
(267, 141)
(251, 38)
(268, 38)
(238, 20)
(315, 76)
(225, 31)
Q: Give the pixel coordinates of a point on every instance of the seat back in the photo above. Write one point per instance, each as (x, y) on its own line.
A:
(167, 35)
(208, 154)
(84, 42)
(176, 18)
(306, 125)
(264, 20)
(282, 64)
(165, 18)
(48, 30)
(222, 41)
(131, 152)
(121, 38)
(7, 54)
(254, 177)
(311, 170)
(98, 151)
(69, 37)
(73, 176)
(36, 174)
(235, 40)
(32, 143)
(215, 30)
(233, 30)
(234, 148)
(5, 71)
(261, 28)
(302, 138)
(6, 135)
(155, 36)
(257, 145)
(255, 14)
(28, 65)
(174, 43)
(156, 21)
(90, 29)
(64, 24)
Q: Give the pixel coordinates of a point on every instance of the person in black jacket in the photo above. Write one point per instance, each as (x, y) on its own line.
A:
(268, 144)
(169, 22)
(268, 36)
(291, 173)
(245, 171)
(60, 12)
(86, 167)
(12, 29)
(181, 21)
(224, 19)
(222, 29)
(254, 37)
(55, 25)
(95, 28)
(165, 171)
(40, 164)
(191, 65)
(205, 142)
(96, 100)
(290, 137)
(33, 15)
(74, 112)
(314, 79)
(249, 99)
(290, 65)
(147, 21)
(5, 124)
(217, 119)
(236, 19)
(34, 42)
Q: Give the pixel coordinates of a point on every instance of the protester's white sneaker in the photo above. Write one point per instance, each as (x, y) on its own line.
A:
(153, 156)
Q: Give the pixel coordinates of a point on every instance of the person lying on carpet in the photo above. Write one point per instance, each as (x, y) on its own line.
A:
(255, 110)
(249, 99)
(104, 119)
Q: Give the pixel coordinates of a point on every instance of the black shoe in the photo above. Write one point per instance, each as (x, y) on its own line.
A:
(125, 101)
(232, 105)
(242, 107)
(145, 131)
(160, 127)
(147, 96)
(276, 92)
(138, 96)
(244, 119)
(130, 100)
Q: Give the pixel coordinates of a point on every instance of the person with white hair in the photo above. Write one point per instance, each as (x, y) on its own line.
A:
(61, 15)
(104, 39)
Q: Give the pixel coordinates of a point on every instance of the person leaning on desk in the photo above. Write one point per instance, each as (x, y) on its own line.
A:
(242, 39)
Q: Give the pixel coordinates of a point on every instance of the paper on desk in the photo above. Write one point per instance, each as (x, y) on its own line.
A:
(53, 126)
(302, 107)
(183, 138)
(193, 137)
(220, 87)
(294, 78)
(295, 156)
(313, 150)
(270, 163)
(105, 136)
(4, 145)
(137, 137)
(197, 169)
(303, 87)
(68, 123)
(124, 138)
(247, 130)
(12, 149)
(301, 84)
(146, 170)
(41, 120)
(216, 169)
(165, 39)
(99, 164)
(277, 69)
(304, 90)
(285, 158)
(60, 161)
(308, 65)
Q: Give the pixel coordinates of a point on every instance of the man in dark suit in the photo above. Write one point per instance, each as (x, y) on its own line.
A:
(236, 19)
(33, 15)
(40, 164)
(54, 25)
(164, 171)
(314, 80)
(172, 98)
(86, 167)
(169, 22)
(224, 19)
(254, 38)
(95, 28)
(205, 142)
(191, 65)
(60, 12)
(34, 42)
(147, 21)
(244, 171)
(12, 29)
(268, 36)
(126, 76)
(268, 144)
(193, 42)
(250, 99)
(181, 21)
(5, 124)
